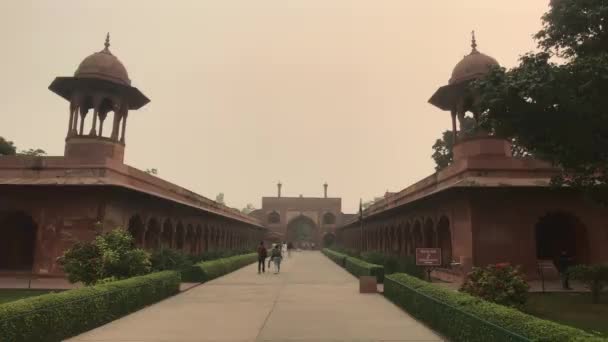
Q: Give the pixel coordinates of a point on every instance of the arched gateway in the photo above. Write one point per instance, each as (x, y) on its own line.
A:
(302, 231)
(18, 241)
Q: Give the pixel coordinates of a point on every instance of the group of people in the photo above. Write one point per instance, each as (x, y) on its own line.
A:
(276, 256)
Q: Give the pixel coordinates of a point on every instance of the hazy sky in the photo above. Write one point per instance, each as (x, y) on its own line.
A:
(245, 93)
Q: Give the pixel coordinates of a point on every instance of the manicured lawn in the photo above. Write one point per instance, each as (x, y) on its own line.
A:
(574, 309)
(9, 295)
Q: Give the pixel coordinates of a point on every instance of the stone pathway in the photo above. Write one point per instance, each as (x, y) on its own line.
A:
(311, 300)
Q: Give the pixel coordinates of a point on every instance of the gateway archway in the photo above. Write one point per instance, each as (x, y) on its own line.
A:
(560, 231)
(301, 231)
(18, 241)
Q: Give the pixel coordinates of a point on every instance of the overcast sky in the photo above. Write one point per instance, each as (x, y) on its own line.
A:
(246, 93)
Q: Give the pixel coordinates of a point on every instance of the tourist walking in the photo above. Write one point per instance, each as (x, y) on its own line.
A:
(563, 264)
(276, 256)
(262, 254)
(289, 248)
(272, 247)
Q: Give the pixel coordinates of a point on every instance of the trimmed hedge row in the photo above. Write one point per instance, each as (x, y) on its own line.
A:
(336, 257)
(56, 316)
(461, 317)
(356, 267)
(207, 270)
(359, 268)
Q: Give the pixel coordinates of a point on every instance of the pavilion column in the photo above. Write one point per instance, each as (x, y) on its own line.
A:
(96, 105)
(73, 109)
(454, 129)
(124, 125)
(118, 115)
(83, 114)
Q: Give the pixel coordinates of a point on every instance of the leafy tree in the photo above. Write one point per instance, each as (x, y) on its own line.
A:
(554, 102)
(443, 147)
(152, 171)
(110, 255)
(33, 152)
(7, 148)
(248, 209)
(220, 198)
(594, 276)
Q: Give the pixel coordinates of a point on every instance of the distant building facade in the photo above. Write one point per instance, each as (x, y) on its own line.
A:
(307, 222)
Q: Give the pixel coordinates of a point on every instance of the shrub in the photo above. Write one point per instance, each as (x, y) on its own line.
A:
(208, 270)
(336, 257)
(500, 283)
(358, 268)
(217, 254)
(169, 259)
(461, 317)
(108, 255)
(594, 276)
(56, 316)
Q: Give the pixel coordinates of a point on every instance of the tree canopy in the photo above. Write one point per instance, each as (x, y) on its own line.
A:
(443, 156)
(554, 102)
(7, 148)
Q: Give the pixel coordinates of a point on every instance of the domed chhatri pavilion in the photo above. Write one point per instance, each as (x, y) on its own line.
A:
(487, 206)
(48, 203)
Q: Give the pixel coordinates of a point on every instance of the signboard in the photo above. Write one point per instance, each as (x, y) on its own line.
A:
(428, 256)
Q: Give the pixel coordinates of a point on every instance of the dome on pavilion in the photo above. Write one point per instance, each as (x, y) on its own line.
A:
(103, 65)
(472, 66)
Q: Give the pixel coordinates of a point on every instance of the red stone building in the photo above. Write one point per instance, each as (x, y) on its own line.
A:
(304, 221)
(486, 207)
(48, 203)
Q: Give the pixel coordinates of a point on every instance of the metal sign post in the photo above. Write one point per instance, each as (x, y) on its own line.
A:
(428, 258)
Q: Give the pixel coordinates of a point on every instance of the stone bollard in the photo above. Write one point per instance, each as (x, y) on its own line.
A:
(368, 284)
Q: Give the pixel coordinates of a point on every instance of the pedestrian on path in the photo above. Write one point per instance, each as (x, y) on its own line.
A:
(272, 247)
(277, 256)
(563, 264)
(289, 249)
(262, 254)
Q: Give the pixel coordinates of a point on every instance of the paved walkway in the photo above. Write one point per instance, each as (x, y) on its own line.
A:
(311, 300)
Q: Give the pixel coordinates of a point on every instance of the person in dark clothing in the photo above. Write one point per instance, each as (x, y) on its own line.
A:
(262, 254)
(563, 263)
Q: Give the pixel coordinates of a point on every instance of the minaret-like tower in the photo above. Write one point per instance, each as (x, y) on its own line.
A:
(456, 97)
(325, 189)
(279, 186)
(100, 87)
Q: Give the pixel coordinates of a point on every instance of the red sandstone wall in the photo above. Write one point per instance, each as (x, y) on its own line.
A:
(62, 215)
(504, 223)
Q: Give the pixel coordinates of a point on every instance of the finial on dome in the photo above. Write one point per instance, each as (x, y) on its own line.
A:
(107, 43)
(473, 42)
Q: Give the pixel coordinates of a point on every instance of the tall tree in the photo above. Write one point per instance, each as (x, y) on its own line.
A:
(555, 103)
(220, 198)
(7, 148)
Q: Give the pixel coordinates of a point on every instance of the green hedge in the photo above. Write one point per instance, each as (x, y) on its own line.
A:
(461, 317)
(207, 270)
(358, 268)
(336, 257)
(56, 316)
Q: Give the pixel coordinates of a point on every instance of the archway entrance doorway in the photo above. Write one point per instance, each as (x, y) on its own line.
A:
(301, 232)
(18, 241)
(329, 239)
(557, 232)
